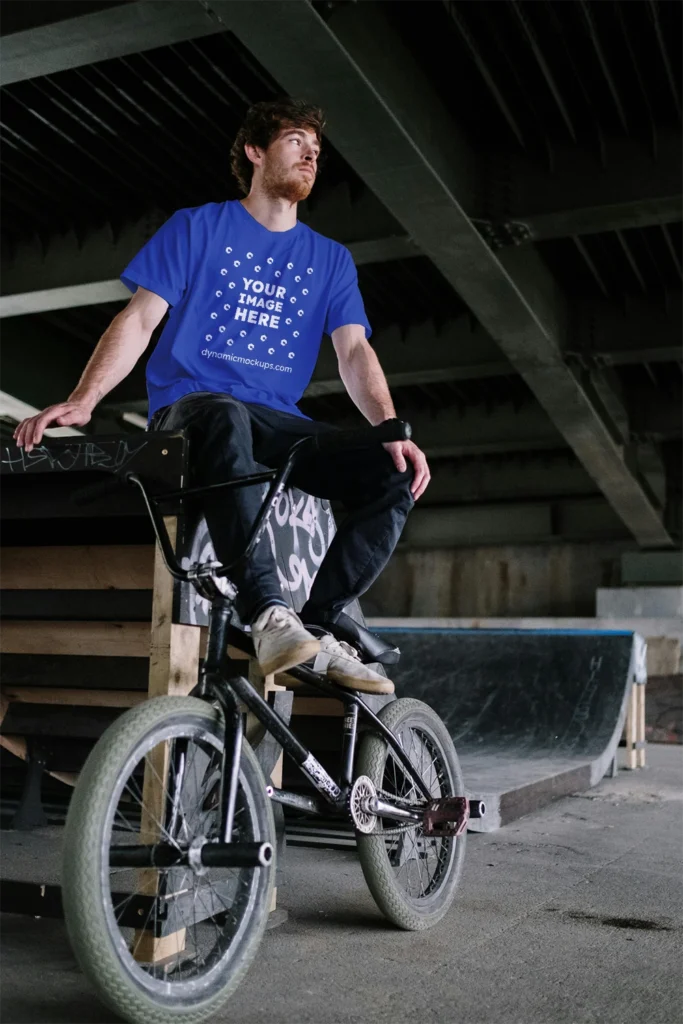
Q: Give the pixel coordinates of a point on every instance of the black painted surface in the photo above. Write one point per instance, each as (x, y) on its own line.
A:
(79, 605)
(532, 714)
(75, 671)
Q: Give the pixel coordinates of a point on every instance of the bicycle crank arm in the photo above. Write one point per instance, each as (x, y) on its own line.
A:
(386, 810)
(199, 856)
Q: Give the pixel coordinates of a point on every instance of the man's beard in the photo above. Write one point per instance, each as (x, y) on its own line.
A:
(294, 188)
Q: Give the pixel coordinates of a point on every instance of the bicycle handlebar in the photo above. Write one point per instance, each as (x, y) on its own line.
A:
(335, 440)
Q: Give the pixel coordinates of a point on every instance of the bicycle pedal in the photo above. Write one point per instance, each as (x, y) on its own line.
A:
(447, 817)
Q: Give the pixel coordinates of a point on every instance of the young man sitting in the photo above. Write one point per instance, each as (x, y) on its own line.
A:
(252, 290)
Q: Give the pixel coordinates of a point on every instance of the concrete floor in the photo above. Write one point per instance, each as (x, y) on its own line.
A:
(571, 915)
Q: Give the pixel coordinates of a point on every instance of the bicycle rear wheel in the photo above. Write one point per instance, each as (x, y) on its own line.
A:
(412, 877)
(163, 944)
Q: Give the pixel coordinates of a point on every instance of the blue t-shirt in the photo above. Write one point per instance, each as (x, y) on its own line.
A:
(249, 305)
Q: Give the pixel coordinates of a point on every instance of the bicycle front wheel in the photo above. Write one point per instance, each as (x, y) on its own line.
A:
(412, 877)
(163, 944)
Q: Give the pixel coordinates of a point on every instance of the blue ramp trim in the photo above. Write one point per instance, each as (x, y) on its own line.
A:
(451, 630)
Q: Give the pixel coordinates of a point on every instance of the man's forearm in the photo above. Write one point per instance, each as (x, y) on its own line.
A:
(117, 352)
(365, 382)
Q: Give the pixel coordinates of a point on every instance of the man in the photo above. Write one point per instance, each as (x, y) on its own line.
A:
(252, 290)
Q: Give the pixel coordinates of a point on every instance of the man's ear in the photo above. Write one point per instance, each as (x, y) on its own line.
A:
(254, 153)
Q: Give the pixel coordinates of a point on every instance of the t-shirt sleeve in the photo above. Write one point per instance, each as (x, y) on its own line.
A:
(346, 303)
(163, 264)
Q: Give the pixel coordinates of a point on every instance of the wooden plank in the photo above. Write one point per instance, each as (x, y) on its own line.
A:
(174, 650)
(630, 730)
(89, 698)
(98, 639)
(148, 949)
(640, 731)
(58, 720)
(173, 669)
(323, 706)
(86, 567)
(17, 745)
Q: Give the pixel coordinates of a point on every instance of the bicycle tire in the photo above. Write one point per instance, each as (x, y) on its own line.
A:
(87, 909)
(398, 906)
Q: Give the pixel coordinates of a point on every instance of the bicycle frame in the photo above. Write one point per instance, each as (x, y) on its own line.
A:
(217, 681)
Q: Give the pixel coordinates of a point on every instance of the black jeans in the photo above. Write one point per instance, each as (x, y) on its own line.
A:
(229, 438)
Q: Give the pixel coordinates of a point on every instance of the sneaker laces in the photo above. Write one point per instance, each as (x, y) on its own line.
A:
(274, 617)
(334, 646)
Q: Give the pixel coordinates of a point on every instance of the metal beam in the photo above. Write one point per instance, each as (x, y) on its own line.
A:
(640, 331)
(627, 187)
(422, 354)
(115, 32)
(12, 408)
(548, 475)
(394, 131)
(478, 430)
(77, 271)
(531, 522)
(42, 364)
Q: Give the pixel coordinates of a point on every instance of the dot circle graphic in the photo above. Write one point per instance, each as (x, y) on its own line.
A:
(218, 294)
(297, 278)
(221, 329)
(284, 341)
(214, 316)
(224, 271)
(309, 270)
(208, 337)
(229, 341)
(290, 266)
(250, 255)
(243, 334)
(228, 249)
(264, 337)
(293, 298)
(226, 306)
(288, 320)
(278, 273)
(301, 312)
(269, 260)
(231, 285)
(236, 263)
(291, 355)
(296, 334)
(304, 291)
(270, 351)
(257, 269)
(250, 347)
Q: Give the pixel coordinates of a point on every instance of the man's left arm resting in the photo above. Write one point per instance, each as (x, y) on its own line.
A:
(364, 379)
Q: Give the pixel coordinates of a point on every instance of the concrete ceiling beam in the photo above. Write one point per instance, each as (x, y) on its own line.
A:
(102, 35)
(406, 148)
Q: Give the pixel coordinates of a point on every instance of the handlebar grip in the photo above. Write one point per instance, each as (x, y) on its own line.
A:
(364, 437)
(91, 492)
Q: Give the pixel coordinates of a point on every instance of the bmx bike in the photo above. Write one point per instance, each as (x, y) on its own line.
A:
(169, 865)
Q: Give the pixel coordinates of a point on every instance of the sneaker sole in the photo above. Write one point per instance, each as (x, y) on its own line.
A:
(292, 657)
(362, 685)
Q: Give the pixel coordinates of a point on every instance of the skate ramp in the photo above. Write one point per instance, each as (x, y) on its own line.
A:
(534, 714)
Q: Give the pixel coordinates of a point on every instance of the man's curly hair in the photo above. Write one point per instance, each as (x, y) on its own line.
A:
(262, 124)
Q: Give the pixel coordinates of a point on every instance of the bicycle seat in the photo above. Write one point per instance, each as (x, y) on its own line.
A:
(370, 646)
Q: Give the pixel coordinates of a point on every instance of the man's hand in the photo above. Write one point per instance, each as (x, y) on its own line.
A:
(65, 414)
(402, 450)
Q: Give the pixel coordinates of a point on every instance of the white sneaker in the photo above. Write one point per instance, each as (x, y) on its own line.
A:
(280, 641)
(341, 663)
